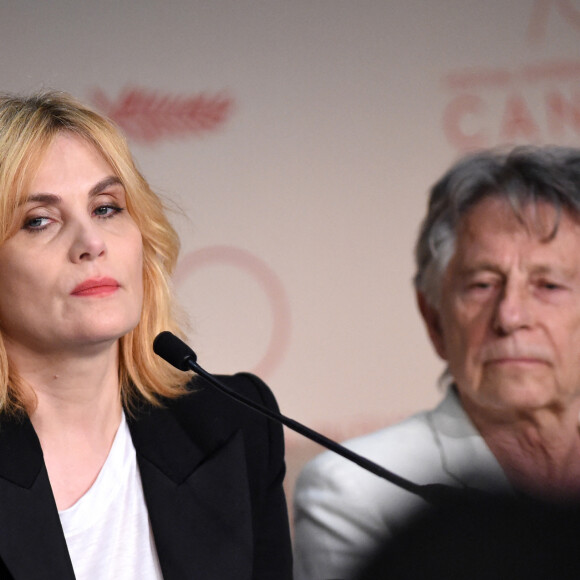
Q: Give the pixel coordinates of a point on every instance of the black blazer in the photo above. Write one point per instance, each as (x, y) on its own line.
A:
(212, 472)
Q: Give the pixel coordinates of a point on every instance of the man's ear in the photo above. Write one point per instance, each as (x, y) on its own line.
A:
(433, 323)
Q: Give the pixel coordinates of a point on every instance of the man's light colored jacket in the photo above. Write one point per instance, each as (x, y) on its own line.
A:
(343, 512)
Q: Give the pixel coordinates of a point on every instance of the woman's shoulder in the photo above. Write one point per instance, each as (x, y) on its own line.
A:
(202, 396)
(206, 412)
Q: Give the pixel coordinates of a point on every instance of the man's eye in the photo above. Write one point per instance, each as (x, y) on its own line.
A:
(480, 285)
(550, 286)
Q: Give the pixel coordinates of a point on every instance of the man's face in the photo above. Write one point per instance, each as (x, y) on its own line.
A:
(508, 323)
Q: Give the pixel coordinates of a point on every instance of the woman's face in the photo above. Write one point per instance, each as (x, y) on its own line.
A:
(71, 278)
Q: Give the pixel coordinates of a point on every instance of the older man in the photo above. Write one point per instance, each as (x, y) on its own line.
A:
(498, 285)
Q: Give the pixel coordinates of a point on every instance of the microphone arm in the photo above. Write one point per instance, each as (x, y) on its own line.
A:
(181, 356)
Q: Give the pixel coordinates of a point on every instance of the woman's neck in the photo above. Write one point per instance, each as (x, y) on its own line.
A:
(66, 382)
(77, 413)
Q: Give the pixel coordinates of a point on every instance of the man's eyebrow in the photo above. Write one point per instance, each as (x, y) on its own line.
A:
(557, 270)
(540, 269)
(483, 266)
(54, 199)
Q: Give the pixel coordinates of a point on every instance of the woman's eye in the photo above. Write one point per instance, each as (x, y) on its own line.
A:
(106, 211)
(36, 223)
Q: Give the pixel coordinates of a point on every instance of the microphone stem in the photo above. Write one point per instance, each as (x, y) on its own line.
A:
(431, 493)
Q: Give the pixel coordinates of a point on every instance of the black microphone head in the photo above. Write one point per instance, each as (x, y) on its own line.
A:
(174, 350)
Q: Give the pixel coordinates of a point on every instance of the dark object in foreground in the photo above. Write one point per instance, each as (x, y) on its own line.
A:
(483, 538)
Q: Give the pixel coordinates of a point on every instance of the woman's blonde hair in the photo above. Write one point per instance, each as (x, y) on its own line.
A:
(28, 126)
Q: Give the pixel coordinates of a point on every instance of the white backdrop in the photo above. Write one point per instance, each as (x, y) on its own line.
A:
(299, 140)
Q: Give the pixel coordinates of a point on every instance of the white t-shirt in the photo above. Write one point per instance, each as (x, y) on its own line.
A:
(107, 530)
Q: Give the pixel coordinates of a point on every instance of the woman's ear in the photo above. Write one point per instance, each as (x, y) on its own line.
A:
(433, 323)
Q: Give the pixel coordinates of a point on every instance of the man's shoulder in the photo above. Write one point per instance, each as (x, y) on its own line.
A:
(388, 447)
(407, 433)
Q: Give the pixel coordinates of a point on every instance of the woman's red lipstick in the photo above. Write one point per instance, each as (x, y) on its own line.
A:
(96, 287)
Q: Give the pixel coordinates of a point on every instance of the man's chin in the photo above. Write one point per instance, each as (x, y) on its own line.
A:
(502, 396)
(520, 396)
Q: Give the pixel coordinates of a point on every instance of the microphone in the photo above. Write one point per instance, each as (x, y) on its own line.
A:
(178, 354)
(174, 351)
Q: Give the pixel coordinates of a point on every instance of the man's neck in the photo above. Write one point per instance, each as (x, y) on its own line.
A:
(539, 449)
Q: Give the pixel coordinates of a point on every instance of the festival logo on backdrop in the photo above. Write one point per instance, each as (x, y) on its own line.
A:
(269, 283)
(535, 102)
(148, 116)
(544, 10)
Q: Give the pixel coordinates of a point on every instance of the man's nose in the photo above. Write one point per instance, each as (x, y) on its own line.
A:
(512, 310)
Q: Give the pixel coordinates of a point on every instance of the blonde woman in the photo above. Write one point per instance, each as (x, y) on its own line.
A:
(112, 463)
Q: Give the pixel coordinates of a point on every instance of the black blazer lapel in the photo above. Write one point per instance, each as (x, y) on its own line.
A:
(197, 497)
(32, 543)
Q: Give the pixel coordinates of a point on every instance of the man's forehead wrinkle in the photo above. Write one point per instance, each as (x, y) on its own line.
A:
(538, 219)
(482, 250)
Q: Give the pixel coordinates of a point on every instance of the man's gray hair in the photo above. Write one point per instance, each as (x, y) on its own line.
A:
(521, 176)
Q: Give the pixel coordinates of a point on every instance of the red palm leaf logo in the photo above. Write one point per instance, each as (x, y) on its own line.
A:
(149, 116)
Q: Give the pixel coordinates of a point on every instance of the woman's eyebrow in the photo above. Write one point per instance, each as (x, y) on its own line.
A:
(54, 199)
(104, 184)
(47, 198)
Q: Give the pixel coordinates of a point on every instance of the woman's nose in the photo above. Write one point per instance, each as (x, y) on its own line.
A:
(88, 242)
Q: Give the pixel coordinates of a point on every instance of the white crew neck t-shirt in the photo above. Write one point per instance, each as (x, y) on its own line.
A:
(107, 530)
